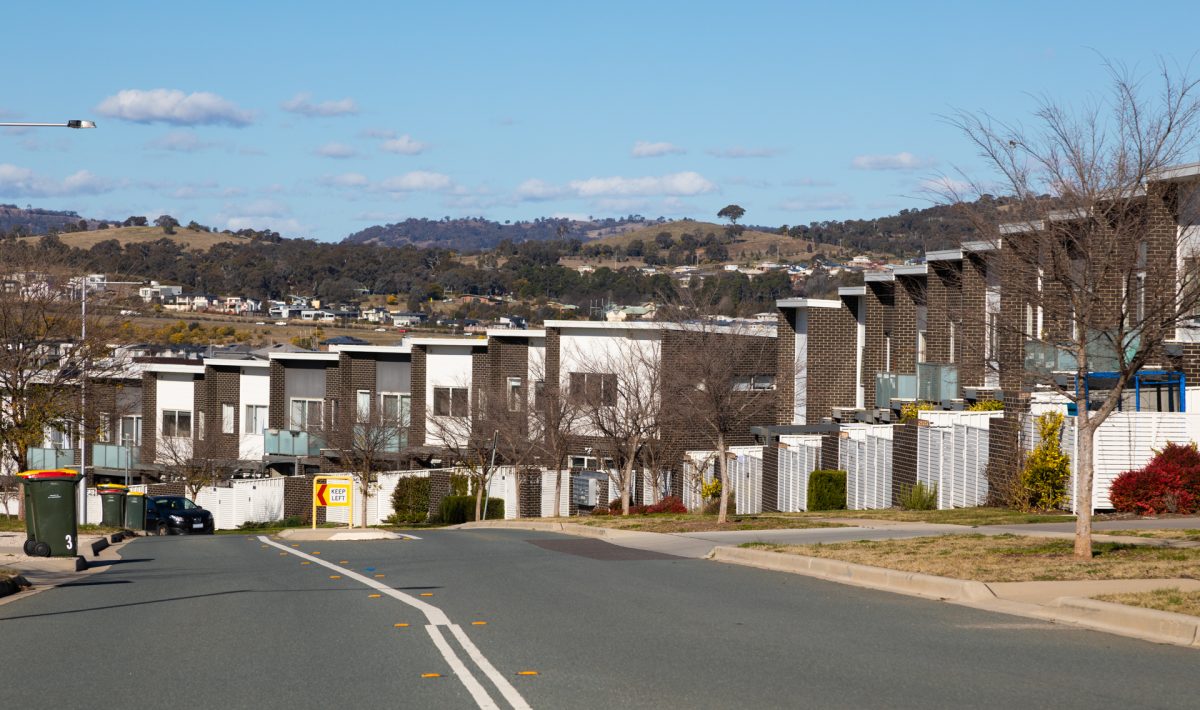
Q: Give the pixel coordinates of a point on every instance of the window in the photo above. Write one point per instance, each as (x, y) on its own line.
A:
(176, 423)
(103, 428)
(395, 409)
(256, 418)
(450, 402)
(598, 388)
(756, 383)
(539, 395)
(228, 413)
(590, 463)
(60, 436)
(515, 404)
(129, 431)
(362, 406)
(306, 414)
(200, 425)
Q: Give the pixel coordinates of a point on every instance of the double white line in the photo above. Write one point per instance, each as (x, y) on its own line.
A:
(436, 619)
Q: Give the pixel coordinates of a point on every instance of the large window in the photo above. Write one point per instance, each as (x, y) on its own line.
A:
(755, 383)
(450, 402)
(129, 431)
(515, 400)
(177, 423)
(306, 414)
(395, 409)
(599, 388)
(256, 418)
(362, 406)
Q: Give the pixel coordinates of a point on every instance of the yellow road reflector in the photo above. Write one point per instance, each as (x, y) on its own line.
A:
(295, 546)
(400, 626)
(427, 594)
(374, 596)
(431, 675)
(527, 672)
(335, 576)
(316, 553)
(262, 545)
(306, 562)
(283, 553)
(478, 623)
(342, 562)
(379, 576)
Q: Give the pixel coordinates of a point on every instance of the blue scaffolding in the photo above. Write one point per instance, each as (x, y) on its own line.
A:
(1170, 382)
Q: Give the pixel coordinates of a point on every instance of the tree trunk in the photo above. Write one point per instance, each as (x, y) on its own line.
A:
(1085, 433)
(479, 498)
(558, 494)
(626, 477)
(723, 469)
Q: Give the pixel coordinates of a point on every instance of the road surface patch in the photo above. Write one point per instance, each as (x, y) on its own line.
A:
(600, 550)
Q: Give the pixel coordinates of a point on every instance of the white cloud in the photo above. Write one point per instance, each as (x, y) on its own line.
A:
(830, 201)
(417, 180)
(535, 190)
(897, 161)
(181, 141)
(377, 133)
(647, 149)
(173, 106)
(742, 152)
(346, 180)
(677, 184)
(337, 150)
(404, 145)
(16, 181)
(302, 104)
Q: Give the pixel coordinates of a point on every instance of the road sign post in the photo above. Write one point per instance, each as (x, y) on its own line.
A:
(333, 492)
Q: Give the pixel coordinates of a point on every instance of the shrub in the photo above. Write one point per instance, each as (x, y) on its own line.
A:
(711, 489)
(670, 504)
(827, 490)
(911, 411)
(461, 509)
(410, 501)
(713, 506)
(1047, 469)
(918, 497)
(1169, 483)
(986, 405)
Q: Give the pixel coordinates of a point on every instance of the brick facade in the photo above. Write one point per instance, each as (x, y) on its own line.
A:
(832, 361)
(785, 349)
(909, 295)
(221, 385)
(904, 458)
(880, 299)
(416, 432)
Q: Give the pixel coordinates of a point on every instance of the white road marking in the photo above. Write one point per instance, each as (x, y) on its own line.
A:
(436, 617)
(410, 537)
(482, 699)
(506, 689)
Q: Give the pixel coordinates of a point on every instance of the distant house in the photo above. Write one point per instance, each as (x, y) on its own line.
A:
(158, 293)
(585, 269)
(191, 302)
(378, 314)
(405, 319)
(282, 311)
(645, 311)
(513, 322)
(344, 340)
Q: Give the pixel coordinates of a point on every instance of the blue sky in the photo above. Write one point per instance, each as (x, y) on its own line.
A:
(319, 119)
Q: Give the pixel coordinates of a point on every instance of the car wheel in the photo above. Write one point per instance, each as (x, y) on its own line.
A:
(163, 529)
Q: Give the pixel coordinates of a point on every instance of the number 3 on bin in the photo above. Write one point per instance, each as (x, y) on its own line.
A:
(70, 542)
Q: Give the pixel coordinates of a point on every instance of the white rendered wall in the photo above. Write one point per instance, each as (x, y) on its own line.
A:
(174, 391)
(445, 366)
(254, 388)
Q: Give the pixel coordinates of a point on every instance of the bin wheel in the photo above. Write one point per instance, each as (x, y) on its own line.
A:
(41, 549)
(27, 548)
(162, 529)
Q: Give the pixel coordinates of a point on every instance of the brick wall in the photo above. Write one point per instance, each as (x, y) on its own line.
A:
(880, 299)
(944, 302)
(1004, 452)
(973, 334)
(909, 294)
(277, 409)
(529, 494)
(297, 499)
(439, 488)
(832, 361)
(416, 432)
(222, 385)
(830, 448)
(149, 415)
(786, 369)
(904, 459)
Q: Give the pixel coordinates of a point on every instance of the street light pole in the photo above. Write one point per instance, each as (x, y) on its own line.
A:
(73, 123)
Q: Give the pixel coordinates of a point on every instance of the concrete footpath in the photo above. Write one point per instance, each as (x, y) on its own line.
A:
(1064, 602)
(47, 572)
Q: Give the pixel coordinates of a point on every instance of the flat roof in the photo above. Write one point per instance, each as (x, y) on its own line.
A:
(807, 303)
(1035, 225)
(852, 291)
(382, 349)
(1178, 172)
(178, 369)
(911, 270)
(230, 362)
(981, 246)
(873, 276)
(756, 328)
(303, 356)
(463, 342)
(944, 255)
(515, 333)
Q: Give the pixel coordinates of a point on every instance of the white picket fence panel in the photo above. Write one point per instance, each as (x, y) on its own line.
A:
(935, 462)
(744, 469)
(796, 462)
(564, 500)
(866, 457)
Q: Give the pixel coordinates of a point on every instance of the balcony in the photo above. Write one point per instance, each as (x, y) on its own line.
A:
(284, 442)
(41, 458)
(931, 383)
(370, 436)
(1048, 357)
(115, 456)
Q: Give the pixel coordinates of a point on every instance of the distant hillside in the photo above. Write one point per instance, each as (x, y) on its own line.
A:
(189, 239)
(750, 244)
(31, 220)
(478, 234)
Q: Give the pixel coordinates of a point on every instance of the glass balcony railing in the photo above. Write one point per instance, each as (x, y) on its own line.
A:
(1047, 357)
(283, 442)
(368, 436)
(114, 456)
(931, 383)
(44, 458)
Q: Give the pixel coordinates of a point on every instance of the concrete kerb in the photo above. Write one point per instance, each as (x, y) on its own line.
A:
(49, 572)
(1148, 624)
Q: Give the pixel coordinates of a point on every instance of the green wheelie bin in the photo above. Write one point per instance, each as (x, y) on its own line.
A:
(112, 504)
(135, 511)
(51, 517)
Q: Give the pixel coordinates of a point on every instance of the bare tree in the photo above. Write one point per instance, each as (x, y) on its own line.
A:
(364, 441)
(1087, 282)
(193, 461)
(553, 419)
(465, 438)
(618, 391)
(722, 380)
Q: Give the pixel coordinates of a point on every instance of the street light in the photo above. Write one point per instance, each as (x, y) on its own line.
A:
(73, 123)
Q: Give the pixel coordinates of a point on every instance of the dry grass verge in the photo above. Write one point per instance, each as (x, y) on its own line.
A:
(1009, 558)
(954, 516)
(1186, 535)
(698, 522)
(1173, 600)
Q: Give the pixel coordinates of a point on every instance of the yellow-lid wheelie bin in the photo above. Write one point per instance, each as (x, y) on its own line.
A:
(51, 516)
(135, 511)
(112, 504)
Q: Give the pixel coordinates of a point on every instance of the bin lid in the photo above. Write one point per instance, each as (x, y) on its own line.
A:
(136, 493)
(112, 488)
(49, 474)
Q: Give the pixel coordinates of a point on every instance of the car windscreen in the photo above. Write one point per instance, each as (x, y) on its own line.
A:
(175, 504)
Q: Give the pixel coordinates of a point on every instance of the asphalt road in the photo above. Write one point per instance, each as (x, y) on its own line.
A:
(226, 622)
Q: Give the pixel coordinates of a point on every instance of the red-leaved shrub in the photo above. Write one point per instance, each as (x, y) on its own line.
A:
(1169, 483)
(670, 504)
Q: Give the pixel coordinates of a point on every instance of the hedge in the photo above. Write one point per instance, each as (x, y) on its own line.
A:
(461, 509)
(827, 490)
(410, 500)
